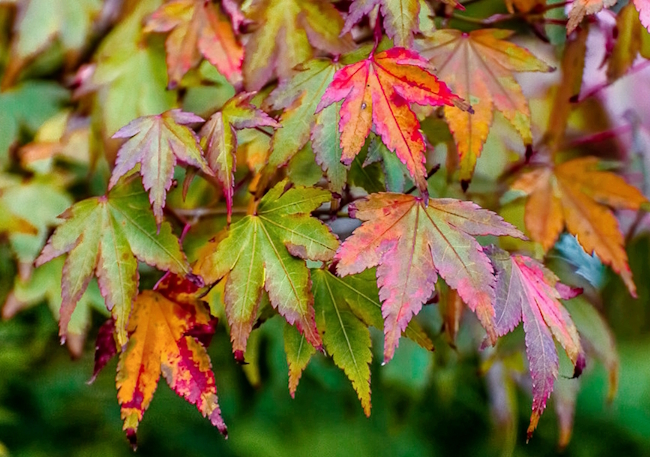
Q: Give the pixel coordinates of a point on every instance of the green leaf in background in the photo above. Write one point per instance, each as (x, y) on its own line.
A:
(103, 236)
(394, 169)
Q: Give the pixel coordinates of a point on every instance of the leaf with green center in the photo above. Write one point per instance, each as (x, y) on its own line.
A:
(260, 251)
(286, 31)
(220, 137)
(27, 106)
(401, 17)
(104, 236)
(157, 142)
(299, 353)
(378, 91)
(479, 67)
(411, 244)
(198, 27)
(526, 290)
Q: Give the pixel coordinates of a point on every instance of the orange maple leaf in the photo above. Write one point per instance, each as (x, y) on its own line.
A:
(166, 330)
(583, 7)
(378, 92)
(577, 194)
(197, 28)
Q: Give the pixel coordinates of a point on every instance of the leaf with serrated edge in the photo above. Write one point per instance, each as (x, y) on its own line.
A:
(266, 249)
(378, 91)
(197, 28)
(526, 290)
(161, 341)
(411, 244)
(299, 352)
(157, 142)
(104, 236)
(577, 194)
(401, 18)
(286, 32)
(479, 67)
(220, 136)
(581, 8)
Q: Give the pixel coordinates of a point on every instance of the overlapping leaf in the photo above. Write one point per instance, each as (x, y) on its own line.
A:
(583, 7)
(221, 138)
(378, 92)
(103, 236)
(261, 250)
(286, 31)
(164, 338)
(577, 194)
(527, 291)
(198, 27)
(643, 7)
(632, 39)
(411, 244)
(157, 142)
(479, 67)
(299, 97)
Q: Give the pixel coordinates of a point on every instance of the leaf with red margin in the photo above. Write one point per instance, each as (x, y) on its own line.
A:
(411, 244)
(198, 27)
(161, 341)
(220, 136)
(268, 250)
(157, 142)
(526, 290)
(378, 91)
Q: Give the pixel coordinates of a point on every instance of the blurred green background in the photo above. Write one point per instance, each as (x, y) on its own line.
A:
(424, 404)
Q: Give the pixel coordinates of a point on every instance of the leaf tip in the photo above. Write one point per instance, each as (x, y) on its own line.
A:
(529, 152)
(131, 436)
(464, 184)
(579, 367)
(239, 357)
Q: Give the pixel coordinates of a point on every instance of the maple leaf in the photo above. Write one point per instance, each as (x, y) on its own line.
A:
(377, 91)
(198, 27)
(643, 7)
(478, 66)
(260, 251)
(583, 7)
(104, 235)
(577, 194)
(221, 138)
(411, 244)
(345, 308)
(157, 142)
(401, 17)
(631, 40)
(162, 341)
(287, 30)
(528, 291)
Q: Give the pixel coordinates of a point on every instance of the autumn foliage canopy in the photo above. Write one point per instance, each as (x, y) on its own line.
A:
(193, 166)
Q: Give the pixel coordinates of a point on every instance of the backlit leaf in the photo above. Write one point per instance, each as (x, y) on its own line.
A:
(104, 236)
(479, 67)
(157, 142)
(411, 244)
(378, 92)
(527, 291)
(266, 250)
(577, 194)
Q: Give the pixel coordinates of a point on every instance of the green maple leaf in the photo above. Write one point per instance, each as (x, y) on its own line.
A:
(157, 142)
(40, 21)
(345, 308)
(27, 105)
(286, 31)
(261, 250)
(104, 236)
(299, 97)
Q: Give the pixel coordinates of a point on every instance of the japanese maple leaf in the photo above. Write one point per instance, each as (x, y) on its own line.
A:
(157, 142)
(478, 66)
(577, 194)
(163, 339)
(286, 31)
(631, 40)
(411, 243)
(104, 236)
(221, 138)
(582, 7)
(345, 308)
(299, 97)
(643, 7)
(378, 91)
(198, 27)
(401, 17)
(260, 251)
(526, 290)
